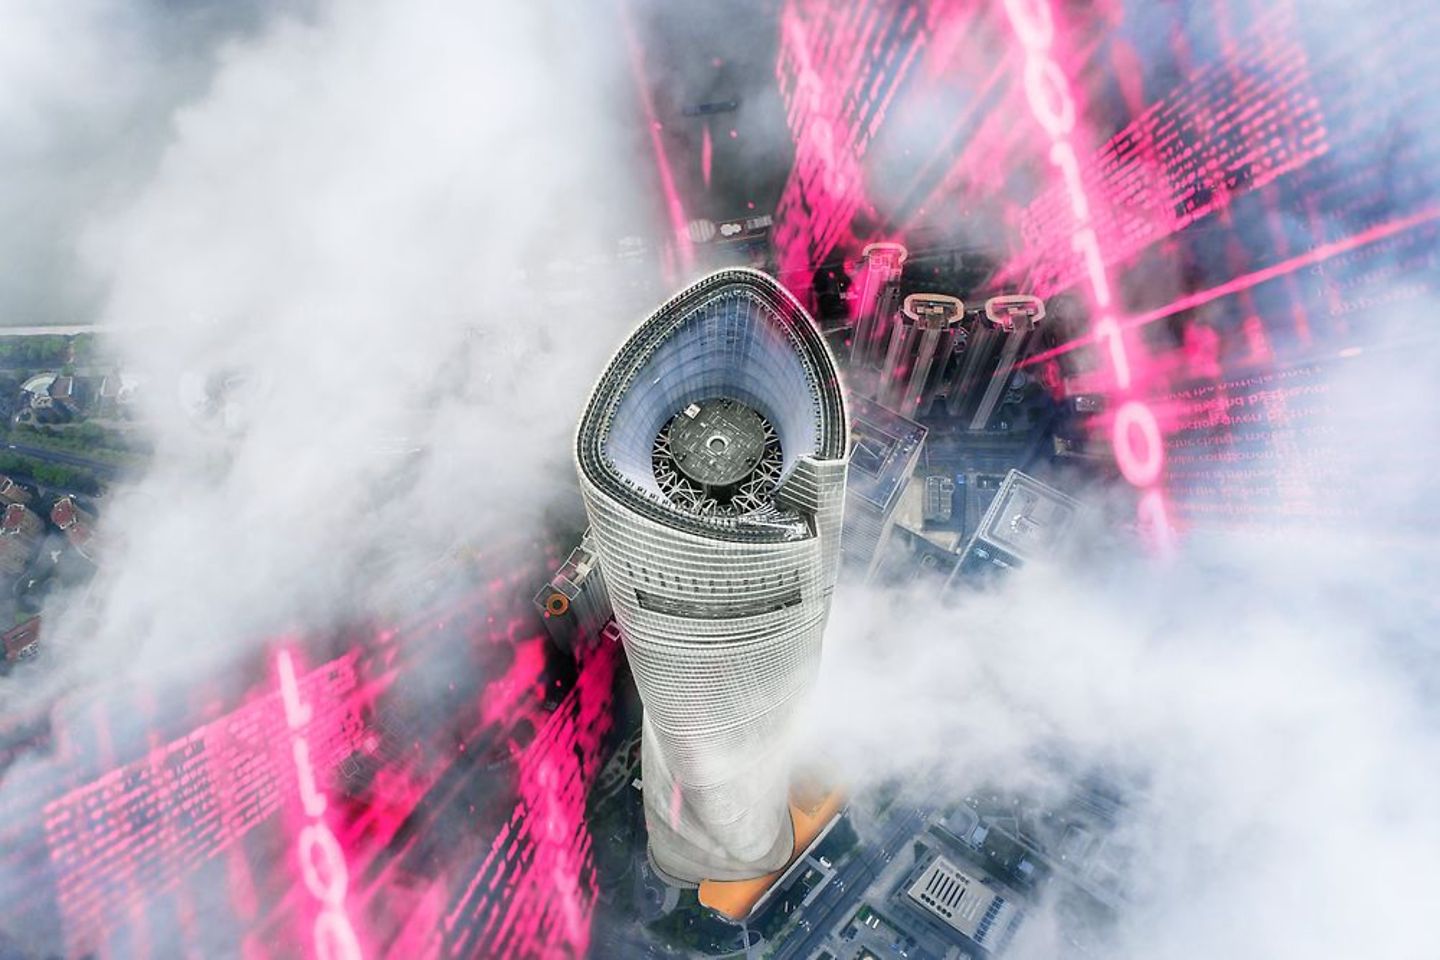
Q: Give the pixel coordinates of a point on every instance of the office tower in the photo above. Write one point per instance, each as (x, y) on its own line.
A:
(885, 450)
(712, 458)
(574, 603)
(877, 295)
(998, 341)
(1027, 520)
(923, 333)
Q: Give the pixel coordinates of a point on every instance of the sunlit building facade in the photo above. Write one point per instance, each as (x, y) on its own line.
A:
(712, 458)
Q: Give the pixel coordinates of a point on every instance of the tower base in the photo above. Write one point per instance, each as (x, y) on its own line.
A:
(812, 812)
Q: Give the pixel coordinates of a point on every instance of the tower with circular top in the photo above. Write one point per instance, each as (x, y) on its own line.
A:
(712, 458)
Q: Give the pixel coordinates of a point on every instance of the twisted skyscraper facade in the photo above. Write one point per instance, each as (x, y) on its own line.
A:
(712, 460)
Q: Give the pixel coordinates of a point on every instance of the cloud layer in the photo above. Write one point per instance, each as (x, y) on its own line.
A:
(351, 249)
(352, 212)
(1268, 701)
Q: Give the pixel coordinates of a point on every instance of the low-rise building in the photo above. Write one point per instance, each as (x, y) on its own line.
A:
(118, 389)
(20, 530)
(77, 524)
(12, 492)
(939, 499)
(62, 392)
(19, 520)
(51, 396)
(20, 642)
(970, 904)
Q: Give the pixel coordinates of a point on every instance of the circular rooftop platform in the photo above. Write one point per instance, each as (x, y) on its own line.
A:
(717, 457)
(718, 442)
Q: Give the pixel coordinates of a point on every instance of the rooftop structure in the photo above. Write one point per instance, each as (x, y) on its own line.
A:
(51, 392)
(77, 524)
(877, 298)
(20, 529)
(118, 388)
(998, 341)
(12, 492)
(939, 499)
(21, 641)
(921, 341)
(574, 603)
(19, 521)
(884, 453)
(1026, 521)
(968, 904)
(63, 389)
(712, 458)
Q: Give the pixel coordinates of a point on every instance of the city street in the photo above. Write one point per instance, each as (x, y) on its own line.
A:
(844, 892)
(61, 456)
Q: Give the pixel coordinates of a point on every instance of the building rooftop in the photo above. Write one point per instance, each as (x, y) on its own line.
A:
(14, 516)
(939, 497)
(22, 640)
(1027, 519)
(64, 514)
(669, 363)
(967, 902)
(883, 452)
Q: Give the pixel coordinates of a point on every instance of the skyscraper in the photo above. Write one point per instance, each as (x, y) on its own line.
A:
(712, 458)
(1028, 520)
(997, 343)
(883, 457)
(923, 333)
(877, 297)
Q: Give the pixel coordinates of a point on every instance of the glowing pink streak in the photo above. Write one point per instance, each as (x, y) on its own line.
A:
(673, 206)
(707, 151)
(503, 696)
(833, 111)
(544, 911)
(1308, 259)
(818, 195)
(1188, 155)
(328, 877)
(1053, 105)
(961, 122)
(221, 781)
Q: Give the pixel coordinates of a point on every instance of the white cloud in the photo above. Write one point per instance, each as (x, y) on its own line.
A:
(348, 216)
(1269, 698)
(343, 209)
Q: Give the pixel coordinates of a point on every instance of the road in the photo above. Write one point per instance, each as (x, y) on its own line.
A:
(845, 890)
(61, 456)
